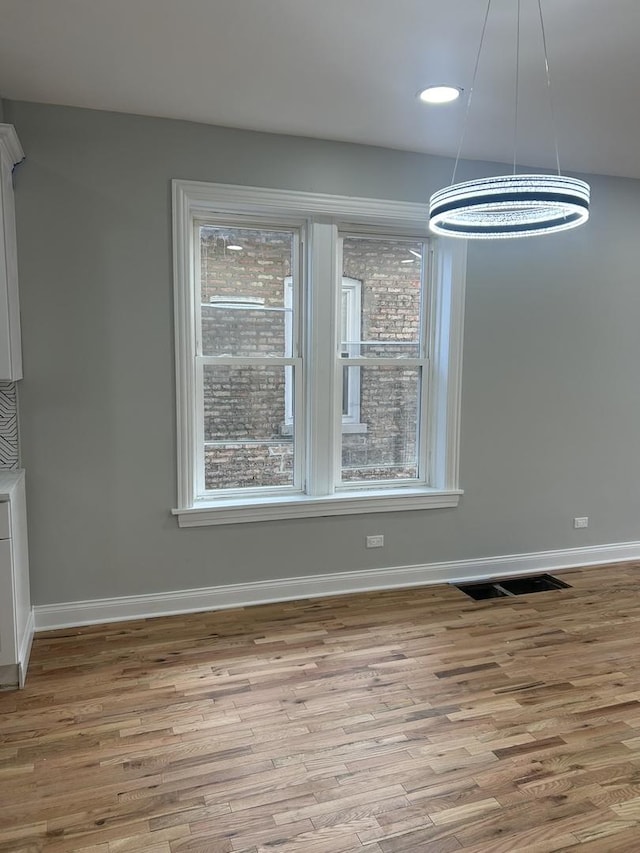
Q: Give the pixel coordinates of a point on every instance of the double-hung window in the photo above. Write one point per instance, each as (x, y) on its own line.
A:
(318, 355)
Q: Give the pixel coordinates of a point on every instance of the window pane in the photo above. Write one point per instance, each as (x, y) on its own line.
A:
(242, 273)
(390, 273)
(389, 409)
(247, 440)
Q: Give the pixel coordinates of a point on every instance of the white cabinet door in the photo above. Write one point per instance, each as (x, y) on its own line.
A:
(10, 344)
(5, 520)
(7, 619)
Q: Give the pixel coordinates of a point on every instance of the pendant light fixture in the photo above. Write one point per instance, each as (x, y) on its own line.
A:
(516, 205)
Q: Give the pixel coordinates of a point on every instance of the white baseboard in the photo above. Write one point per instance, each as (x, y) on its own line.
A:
(76, 613)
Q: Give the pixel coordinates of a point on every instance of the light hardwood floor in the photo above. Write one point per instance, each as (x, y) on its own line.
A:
(405, 721)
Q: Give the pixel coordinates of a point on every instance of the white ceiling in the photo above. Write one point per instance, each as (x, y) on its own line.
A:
(344, 69)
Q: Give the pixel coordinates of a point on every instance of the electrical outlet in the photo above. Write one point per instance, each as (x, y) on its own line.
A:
(580, 522)
(375, 541)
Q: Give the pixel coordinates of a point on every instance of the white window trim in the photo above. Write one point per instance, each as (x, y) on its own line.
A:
(193, 199)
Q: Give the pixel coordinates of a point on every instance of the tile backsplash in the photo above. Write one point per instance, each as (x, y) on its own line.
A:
(9, 451)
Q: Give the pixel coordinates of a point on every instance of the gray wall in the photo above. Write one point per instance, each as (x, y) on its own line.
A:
(551, 407)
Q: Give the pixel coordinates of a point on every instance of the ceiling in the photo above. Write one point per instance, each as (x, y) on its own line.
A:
(345, 70)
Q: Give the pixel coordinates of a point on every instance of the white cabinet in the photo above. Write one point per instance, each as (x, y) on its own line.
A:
(10, 347)
(16, 613)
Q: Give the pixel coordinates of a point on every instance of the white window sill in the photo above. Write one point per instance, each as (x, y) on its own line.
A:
(238, 510)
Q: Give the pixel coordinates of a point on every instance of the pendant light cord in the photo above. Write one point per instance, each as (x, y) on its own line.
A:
(473, 83)
(517, 93)
(549, 89)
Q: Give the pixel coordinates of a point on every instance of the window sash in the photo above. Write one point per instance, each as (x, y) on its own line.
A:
(422, 363)
(422, 479)
(292, 358)
(298, 438)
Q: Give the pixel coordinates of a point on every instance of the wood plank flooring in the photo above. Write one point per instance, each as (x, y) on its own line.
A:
(394, 722)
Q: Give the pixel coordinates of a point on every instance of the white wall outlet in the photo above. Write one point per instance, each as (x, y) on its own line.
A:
(580, 522)
(375, 541)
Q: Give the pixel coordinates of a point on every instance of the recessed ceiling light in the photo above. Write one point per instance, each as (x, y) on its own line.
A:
(439, 94)
(234, 248)
(408, 261)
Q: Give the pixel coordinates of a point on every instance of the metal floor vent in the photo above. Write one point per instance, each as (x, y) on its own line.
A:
(511, 586)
